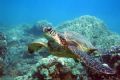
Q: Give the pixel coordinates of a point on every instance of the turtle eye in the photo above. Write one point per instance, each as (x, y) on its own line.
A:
(47, 29)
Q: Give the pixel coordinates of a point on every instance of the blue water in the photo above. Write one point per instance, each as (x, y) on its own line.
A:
(58, 11)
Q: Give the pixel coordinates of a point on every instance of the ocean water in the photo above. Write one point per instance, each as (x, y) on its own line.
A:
(17, 58)
(57, 11)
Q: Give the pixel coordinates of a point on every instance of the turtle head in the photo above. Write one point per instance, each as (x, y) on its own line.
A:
(51, 34)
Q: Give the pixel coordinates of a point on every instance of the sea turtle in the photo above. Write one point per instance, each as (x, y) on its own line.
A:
(53, 44)
(72, 46)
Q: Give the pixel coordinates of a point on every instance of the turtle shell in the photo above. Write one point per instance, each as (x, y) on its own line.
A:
(78, 40)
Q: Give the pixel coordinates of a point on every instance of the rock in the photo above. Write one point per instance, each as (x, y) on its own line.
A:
(93, 29)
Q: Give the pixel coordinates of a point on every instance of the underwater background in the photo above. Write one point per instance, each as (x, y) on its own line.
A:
(57, 11)
(86, 45)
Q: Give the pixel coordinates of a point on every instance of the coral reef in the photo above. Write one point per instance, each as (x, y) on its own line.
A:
(19, 65)
(93, 29)
(55, 68)
(3, 44)
(3, 51)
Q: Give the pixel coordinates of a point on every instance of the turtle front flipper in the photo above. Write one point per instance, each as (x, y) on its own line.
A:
(35, 46)
(38, 44)
(91, 62)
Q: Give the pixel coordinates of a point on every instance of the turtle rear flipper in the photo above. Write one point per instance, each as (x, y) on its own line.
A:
(91, 62)
(33, 47)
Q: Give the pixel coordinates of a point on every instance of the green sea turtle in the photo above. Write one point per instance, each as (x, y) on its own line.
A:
(72, 46)
(54, 45)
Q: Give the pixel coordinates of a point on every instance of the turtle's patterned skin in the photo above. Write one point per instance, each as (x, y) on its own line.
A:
(112, 58)
(73, 49)
(92, 63)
